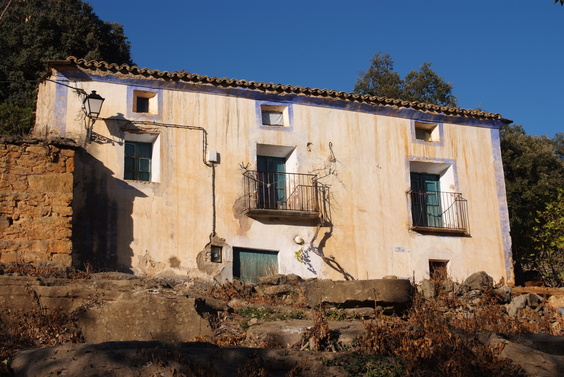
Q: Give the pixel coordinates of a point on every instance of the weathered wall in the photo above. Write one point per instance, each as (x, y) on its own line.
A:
(365, 157)
(36, 191)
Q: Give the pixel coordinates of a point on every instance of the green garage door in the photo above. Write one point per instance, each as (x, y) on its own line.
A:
(250, 264)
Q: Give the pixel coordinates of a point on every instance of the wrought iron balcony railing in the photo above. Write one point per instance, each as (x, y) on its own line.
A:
(439, 211)
(290, 194)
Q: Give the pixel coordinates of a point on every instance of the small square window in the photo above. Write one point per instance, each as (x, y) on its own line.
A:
(427, 132)
(438, 269)
(142, 105)
(145, 102)
(274, 116)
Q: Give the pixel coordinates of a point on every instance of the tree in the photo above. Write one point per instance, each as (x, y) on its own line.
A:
(548, 236)
(32, 32)
(534, 172)
(426, 86)
(423, 85)
(380, 79)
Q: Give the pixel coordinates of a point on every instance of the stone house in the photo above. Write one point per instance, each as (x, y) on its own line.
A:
(223, 178)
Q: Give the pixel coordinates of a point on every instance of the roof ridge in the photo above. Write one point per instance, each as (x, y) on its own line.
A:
(281, 88)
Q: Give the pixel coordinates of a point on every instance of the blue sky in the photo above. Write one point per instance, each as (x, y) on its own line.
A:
(504, 56)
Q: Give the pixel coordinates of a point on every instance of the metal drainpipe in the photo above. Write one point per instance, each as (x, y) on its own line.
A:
(204, 150)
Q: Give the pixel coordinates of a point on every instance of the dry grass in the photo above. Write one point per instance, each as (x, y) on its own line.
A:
(435, 337)
(44, 271)
(438, 336)
(35, 328)
(428, 344)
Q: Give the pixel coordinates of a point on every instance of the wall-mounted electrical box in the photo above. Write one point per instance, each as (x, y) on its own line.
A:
(213, 156)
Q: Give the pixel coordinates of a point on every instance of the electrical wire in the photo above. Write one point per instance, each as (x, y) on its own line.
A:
(5, 9)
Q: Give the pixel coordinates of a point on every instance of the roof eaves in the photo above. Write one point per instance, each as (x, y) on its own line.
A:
(276, 88)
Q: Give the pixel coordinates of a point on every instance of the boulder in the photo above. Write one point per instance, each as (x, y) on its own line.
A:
(135, 359)
(288, 333)
(503, 294)
(280, 290)
(280, 279)
(546, 343)
(530, 300)
(478, 281)
(359, 293)
(143, 316)
(518, 303)
(428, 289)
(107, 310)
(532, 361)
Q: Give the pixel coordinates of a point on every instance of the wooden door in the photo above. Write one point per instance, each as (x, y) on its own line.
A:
(250, 264)
(271, 182)
(426, 200)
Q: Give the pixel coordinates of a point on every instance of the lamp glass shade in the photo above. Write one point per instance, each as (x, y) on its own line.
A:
(93, 104)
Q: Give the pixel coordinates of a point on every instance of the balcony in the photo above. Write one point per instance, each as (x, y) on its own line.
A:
(282, 195)
(439, 212)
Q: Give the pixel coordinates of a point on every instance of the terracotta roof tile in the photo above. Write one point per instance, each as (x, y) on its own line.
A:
(279, 88)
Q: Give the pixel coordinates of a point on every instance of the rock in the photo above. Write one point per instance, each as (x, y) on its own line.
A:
(530, 300)
(276, 290)
(288, 333)
(534, 300)
(518, 303)
(533, 362)
(450, 286)
(504, 294)
(546, 343)
(359, 293)
(134, 359)
(364, 313)
(556, 301)
(244, 289)
(212, 304)
(478, 281)
(113, 275)
(281, 279)
(237, 304)
(427, 288)
(143, 316)
(277, 333)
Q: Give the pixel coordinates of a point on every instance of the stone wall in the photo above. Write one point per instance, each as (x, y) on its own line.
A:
(36, 193)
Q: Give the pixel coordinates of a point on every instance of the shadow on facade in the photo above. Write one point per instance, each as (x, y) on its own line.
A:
(102, 222)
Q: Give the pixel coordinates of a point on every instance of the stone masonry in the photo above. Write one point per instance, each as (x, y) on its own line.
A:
(36, 192)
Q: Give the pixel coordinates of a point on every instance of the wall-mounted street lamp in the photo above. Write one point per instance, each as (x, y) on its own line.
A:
(92, 105)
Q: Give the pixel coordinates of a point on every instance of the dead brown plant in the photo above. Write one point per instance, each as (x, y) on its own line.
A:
(43, 271)
(437, 336)
(35, 328)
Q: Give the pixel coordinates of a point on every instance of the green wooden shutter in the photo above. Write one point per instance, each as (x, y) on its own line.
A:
(137, 161)
(426, 200)
(272, 181)
(249, 265)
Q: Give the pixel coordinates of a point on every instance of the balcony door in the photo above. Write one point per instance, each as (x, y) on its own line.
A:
(426, 200)
(271, 182)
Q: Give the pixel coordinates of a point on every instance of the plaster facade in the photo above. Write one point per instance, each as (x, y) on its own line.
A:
(206, 134)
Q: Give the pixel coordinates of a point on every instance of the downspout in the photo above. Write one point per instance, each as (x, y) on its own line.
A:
(204, 160)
